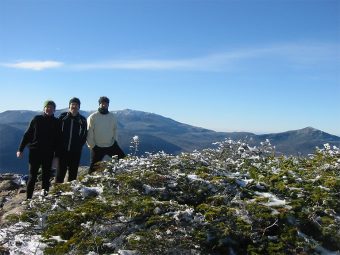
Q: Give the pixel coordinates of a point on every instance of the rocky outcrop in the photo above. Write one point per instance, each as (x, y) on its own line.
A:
(12, 194)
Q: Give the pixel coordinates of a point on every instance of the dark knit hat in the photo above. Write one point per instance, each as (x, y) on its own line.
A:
(74, 100)
(104, 99)
(49, 102)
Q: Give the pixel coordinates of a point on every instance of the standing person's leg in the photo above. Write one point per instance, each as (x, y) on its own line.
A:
(62, 168)
(74, 159)
(97, 155)
(115, 150)
(46, 170)
(34, 164)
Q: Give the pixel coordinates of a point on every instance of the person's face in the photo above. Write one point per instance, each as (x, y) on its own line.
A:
(104, 105)
(74, 108)
(49, 110)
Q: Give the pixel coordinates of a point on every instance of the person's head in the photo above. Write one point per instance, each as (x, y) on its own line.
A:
(104, 102)
(49, 107)
(74, 105)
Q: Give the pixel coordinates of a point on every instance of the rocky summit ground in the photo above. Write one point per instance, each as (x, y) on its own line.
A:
(13, 193)
(232, 199)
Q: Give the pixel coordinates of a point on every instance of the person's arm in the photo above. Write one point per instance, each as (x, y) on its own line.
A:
(115, 128)
(90, 133)
(27, 138)
(84, 131)
(59, 141)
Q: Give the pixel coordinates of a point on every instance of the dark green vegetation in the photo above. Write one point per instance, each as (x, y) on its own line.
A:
(233, 199)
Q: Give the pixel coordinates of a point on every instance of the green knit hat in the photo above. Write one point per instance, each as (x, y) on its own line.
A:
(49, 102)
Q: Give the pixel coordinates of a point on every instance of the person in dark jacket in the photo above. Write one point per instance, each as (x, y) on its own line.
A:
(42, 137)
(74, 133)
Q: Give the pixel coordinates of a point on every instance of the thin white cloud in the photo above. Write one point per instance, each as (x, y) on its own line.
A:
(292, 55)
(148, 64)
(216, 62)
(34, 65)
(142, 64)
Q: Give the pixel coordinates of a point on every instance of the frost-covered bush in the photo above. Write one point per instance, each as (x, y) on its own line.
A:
(233, 199)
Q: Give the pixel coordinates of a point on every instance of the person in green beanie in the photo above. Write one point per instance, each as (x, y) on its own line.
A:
(43, 137)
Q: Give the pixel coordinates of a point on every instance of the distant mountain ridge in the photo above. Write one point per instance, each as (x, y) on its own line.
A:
(157, 133)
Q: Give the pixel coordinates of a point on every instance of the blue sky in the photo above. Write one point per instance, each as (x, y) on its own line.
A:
(259, 66)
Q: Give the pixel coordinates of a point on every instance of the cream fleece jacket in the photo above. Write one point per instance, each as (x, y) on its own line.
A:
(101, 130)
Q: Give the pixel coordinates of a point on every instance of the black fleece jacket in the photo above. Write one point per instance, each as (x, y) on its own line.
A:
(43, 133)
(74, 131)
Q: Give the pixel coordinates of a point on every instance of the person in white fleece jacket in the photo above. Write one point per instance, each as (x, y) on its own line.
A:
(102, 134)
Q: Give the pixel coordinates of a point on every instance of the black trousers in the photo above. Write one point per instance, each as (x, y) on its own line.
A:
(39, 158)
(68, 161)
(98, 153)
